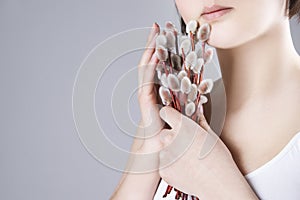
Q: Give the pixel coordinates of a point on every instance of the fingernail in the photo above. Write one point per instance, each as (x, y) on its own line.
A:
(153, 28)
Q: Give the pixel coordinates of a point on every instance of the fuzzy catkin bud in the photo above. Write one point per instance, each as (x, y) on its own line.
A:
(181, 74)
(170, 26)
(185, 85)
(165, 95)
(183, 37)
(176, 62)
(203, 32)
(191, 59)
(192, 26)
(185, 46)
(192, 96)
(198, 51)
(190, 109)
(197, 68)
(203, 99)
(159, 74)
(206, 86)
(170, 40)
(159, 67)
(161, 53)
(208, 56)
(164, 80)
(173, 82)
(161, 40)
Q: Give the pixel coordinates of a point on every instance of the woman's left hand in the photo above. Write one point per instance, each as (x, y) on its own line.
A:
(195, 161)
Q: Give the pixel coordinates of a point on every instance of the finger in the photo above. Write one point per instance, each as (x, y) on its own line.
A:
(171, 116)
(150, 46)
(154, 29)
(202, 122)
(148, 76)
(147, 55)
(176, 144)
(149, 70)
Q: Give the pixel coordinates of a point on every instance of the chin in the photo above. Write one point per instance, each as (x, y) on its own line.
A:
(225, 34)
(225, 38)
(222, 41)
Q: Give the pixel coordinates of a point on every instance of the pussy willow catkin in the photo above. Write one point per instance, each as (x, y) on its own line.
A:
(182, 59)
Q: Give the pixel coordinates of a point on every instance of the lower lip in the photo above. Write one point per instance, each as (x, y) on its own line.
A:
(215, 15)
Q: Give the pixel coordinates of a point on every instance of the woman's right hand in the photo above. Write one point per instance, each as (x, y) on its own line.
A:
(151, 123)
(143, 186)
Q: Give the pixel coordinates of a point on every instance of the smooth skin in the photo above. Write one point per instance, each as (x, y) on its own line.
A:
(209, 179)
(261, 73)
(143, 186)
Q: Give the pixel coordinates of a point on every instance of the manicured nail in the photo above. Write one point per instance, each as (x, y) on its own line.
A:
(153, 27)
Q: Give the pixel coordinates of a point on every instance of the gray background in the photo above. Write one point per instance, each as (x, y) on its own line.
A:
(42, 44)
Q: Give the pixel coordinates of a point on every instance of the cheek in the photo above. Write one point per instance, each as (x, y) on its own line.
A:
(232, 31)
(245, 23)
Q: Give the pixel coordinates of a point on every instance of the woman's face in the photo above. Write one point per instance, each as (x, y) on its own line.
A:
(247, 20)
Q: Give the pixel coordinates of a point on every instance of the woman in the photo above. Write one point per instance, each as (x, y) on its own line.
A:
(258, 153)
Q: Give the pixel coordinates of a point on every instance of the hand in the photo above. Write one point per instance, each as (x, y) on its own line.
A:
(151, 122)
(195, 161)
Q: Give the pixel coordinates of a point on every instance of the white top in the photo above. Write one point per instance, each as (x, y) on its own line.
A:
(278, 179)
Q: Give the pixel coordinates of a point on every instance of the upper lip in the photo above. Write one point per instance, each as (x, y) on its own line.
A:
(214, 8)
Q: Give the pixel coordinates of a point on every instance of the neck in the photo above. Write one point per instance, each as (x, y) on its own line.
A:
(258, 67)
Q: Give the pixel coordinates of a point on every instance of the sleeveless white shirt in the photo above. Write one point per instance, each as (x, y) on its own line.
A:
(278, 179)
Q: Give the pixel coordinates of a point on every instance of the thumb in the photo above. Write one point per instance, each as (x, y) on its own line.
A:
(171, 116)
(201, 120)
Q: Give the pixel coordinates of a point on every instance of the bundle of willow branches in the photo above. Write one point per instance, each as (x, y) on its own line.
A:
(182, 59)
